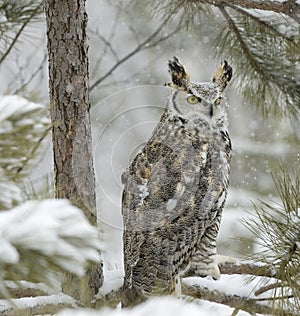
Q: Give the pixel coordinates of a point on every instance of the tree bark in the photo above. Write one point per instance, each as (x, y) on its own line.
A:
(71, 127)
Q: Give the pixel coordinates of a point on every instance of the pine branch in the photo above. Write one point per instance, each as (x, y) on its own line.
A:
(17, 13)
(265, 55)
(242, 303)
(240, 40)
(263, 23)
(37, 306)
(277, 229)
(276, 6)
(271, 79)
(12, 44)
(268, 287)
(24, 289)
(40, 238)
(26, 127)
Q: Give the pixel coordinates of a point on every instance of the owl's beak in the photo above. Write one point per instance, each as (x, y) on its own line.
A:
(211, 110)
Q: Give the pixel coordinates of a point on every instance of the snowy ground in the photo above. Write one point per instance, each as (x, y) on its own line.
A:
(166, 306)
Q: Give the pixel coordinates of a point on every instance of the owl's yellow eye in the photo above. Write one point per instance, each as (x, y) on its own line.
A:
(192, 99)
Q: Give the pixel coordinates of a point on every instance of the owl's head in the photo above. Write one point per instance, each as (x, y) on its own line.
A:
(204, 99)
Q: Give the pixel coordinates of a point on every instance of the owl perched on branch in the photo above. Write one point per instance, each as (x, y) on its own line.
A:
(176, 187)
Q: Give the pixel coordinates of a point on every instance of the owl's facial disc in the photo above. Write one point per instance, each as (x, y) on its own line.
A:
(192, 105)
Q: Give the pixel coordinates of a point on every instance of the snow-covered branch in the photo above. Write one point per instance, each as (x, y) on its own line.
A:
(285, 7)
(36, 305)
(38, 238)
(251, 305)
(249, 268)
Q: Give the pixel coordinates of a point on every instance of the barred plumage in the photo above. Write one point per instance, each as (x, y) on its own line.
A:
(176, 187)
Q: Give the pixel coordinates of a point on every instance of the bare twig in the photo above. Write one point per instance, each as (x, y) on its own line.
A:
(129, 79)
(146, 44)
(107, 45)
(33, 75)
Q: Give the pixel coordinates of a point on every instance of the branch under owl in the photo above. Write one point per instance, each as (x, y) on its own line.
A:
(243, 268)
(249, 305)
(193, 292)
(249, 268)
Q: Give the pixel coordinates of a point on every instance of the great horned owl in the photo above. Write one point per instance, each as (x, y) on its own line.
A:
(176, 187)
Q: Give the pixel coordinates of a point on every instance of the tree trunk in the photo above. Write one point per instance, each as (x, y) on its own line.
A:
(71, 127)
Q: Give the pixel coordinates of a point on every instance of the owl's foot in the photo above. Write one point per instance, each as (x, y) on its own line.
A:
(179, 76)
(203, 269)
(224, 259)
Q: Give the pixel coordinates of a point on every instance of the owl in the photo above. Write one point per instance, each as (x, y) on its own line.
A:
(175, 188)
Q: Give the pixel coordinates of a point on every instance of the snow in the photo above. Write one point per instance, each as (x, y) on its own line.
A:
(227, 284)
(143, 191)
(13, 104)
(10, 193)
(54, 228)
(31, 302)
(242, 145)
(161, 306)
(113, 280)
(36, 286)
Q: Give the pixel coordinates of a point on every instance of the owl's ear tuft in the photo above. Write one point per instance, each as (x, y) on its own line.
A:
(179, 75)
(222, 75)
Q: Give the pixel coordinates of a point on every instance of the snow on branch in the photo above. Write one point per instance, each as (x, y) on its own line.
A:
(36, 305)
(38, 238)
(23, 127)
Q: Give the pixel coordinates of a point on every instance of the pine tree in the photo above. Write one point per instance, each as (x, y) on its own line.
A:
(71, 127)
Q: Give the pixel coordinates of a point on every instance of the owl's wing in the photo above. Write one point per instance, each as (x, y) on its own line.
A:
(160, 211)
(149, 183)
